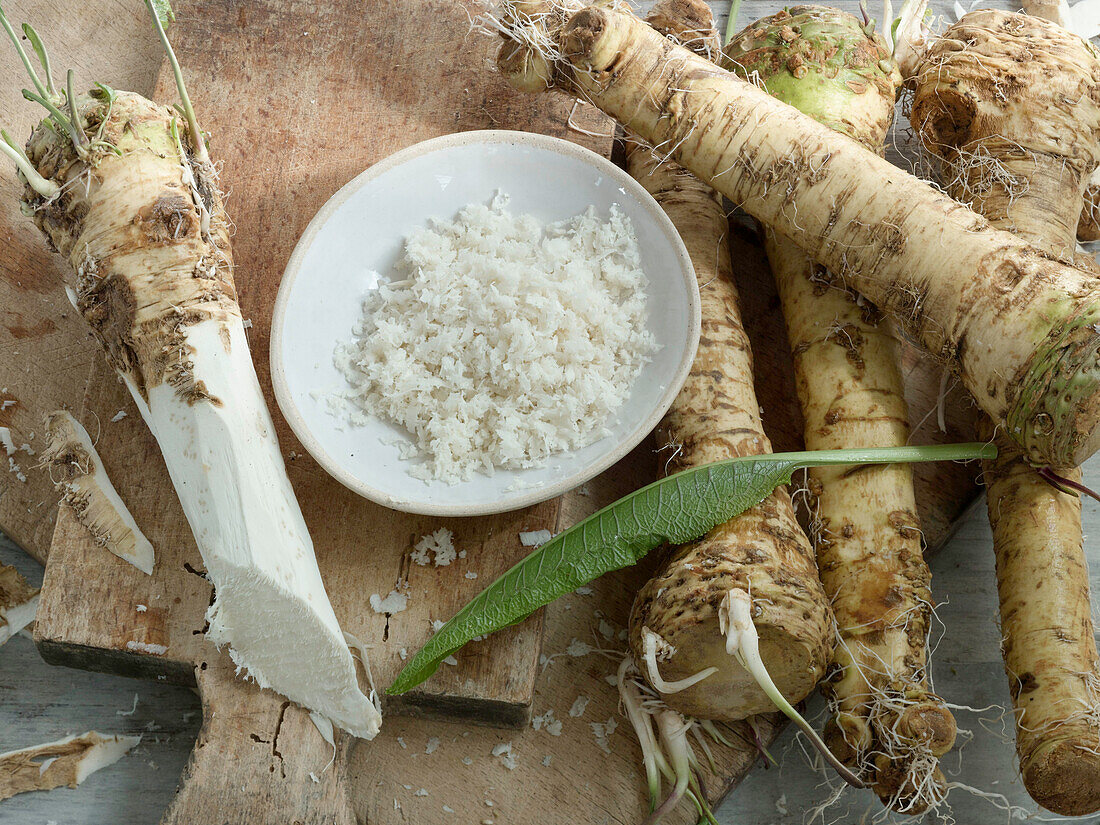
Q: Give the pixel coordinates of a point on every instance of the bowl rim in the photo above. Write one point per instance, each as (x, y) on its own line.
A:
(299, 424)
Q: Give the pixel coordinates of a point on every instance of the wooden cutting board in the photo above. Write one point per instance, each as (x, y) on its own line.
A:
(299, 99)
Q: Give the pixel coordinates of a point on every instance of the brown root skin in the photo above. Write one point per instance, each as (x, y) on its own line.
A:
(1027, 164)
(996, 309)
(1047, 149)
(763, 552)
(865, 529)
(141, 220)
(1049, 648)
(1088, 225)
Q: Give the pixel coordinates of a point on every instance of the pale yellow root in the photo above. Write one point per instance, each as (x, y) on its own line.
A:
(1043, 134)
(987, 303)
(763, 552)
(887, 723)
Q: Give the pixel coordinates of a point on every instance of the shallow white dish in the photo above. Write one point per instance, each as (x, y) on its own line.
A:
(361, 229)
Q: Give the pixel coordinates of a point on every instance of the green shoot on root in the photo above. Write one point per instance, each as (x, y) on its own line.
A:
(58, 117)
(673, 733)
(742, 642)
(45, 188)
(43, 56)
(74, 116)
(201, 155)
(42, 90)
(1066, 485)
(638, 710)
(631, 699)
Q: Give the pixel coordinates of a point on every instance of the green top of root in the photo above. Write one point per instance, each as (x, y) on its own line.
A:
(824, 62)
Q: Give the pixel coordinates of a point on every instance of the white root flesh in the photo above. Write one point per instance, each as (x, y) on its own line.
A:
(66, 762)
(78, 474)
(18, 602)
(149, 247)
(743, 643)
(270, 604)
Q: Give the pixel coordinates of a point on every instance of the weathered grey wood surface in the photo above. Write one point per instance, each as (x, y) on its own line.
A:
(38, 703)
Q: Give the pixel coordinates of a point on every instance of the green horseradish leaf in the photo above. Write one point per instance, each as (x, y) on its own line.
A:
(676, 509)
(163, 10)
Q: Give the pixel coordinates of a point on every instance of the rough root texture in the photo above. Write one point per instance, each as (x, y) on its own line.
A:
(887, 725)
(145, 221)
(1020, 94)
(763, 552)
(1011, 103)
(955, 283)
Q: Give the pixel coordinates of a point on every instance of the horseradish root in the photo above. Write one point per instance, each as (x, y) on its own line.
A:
(1024, 159)
(1088, 225)
(762, 553)
(1018, 327)
(18, 602)
(77, 473)
(66, 762)
(887, 724)
(139, 217)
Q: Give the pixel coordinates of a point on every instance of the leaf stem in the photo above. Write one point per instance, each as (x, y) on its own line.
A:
(45, 188)
(201, 154)
(22, 53)
(731, 21)
(885, 455)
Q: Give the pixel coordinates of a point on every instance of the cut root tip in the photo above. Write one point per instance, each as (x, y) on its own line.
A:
(743, 642)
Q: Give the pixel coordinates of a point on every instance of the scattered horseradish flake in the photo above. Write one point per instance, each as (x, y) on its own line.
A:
(548, 722)
(579, 648)
(505, 754)
(499, 341)
(440, 543)
(147, 647)
(535, 538)
(579, 706)
(602, 731)
(393, 603)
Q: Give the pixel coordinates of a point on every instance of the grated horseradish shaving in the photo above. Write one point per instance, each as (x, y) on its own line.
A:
(500, 341)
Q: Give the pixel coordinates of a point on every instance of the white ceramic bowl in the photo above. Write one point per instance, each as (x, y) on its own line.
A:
(361, 229)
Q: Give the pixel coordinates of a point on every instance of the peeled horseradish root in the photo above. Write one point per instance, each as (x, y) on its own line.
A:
(124, 190)
(1021, 330)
